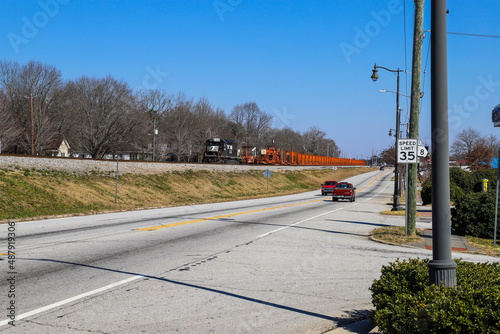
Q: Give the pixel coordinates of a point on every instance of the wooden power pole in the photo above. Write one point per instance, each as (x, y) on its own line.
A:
(418, 36)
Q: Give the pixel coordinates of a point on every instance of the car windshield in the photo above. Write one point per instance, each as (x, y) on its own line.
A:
(330, 183)
(344, 185)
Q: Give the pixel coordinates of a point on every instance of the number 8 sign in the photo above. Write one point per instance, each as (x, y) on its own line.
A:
(407, 151)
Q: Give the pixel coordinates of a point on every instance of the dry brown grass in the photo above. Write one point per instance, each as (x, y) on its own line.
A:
(31, 193)
(394, 235)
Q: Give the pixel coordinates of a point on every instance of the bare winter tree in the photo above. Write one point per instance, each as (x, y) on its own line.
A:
(477, 151)
(329, 148)
(312, 140)
(106, 114)
(208, 123)
(32, 93)
(464, 143)
(177, 125)
(286, 139)
(492, 143)
(251, 123)
(153, 103)
(10, 131)
(388, 155)
(480, 156)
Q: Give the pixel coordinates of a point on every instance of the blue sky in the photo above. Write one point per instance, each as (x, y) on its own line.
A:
(307, 63)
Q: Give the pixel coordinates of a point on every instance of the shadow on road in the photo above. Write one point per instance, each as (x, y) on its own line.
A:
(354, 316)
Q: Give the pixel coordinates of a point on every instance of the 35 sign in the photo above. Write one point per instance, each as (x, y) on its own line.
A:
(407, 151)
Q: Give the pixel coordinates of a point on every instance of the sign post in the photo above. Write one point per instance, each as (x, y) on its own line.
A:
(408, 153)
(496, 202)
(268, 174)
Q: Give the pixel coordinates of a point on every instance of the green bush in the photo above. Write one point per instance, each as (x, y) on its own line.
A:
(462, 178)
(474, 210)
(426, 193)
(474, 215)
(480, 174)
(472, 181)
(405, 303)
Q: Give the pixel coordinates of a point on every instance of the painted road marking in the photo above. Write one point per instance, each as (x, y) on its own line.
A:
(375, 179)
(154, 228)
(72, 299)
(297, 223)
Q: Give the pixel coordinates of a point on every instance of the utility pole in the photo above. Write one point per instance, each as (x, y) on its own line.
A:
(32, 129)
(154, 138)
(418, 36)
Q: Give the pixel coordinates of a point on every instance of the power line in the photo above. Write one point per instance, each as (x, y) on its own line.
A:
(475, 35)
(466, 34)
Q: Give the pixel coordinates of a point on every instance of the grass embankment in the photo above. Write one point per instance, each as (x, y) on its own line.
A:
(26, 193)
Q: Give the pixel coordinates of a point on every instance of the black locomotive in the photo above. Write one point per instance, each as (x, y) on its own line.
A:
(221, 151)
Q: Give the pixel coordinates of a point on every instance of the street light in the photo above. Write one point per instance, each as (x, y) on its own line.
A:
(442, 267)
(395, 205)
(391, 91)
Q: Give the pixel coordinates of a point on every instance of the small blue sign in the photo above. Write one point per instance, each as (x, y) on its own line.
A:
(268, 173)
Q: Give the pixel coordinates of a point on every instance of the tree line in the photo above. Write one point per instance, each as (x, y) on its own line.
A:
(100, 116)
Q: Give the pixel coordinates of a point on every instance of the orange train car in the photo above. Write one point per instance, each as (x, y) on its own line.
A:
(272, 156)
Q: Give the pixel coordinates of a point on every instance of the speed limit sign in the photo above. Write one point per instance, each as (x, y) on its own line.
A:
(407, 151)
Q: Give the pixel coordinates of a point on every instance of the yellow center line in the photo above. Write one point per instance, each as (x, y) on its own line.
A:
(154, 228)
(369, 184)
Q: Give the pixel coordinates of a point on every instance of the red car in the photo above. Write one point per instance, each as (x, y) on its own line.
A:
(344, 190)
(327, 187)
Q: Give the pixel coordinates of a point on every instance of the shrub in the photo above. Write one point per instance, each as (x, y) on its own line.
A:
(474, 215)
(405, 303)
(474, 209)
(462, 178)
(426, 193)
(480, 174)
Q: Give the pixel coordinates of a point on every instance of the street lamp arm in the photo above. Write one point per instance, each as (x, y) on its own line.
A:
(391, 91)
(387, 69)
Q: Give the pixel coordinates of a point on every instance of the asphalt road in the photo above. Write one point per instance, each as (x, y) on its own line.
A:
(289, 264)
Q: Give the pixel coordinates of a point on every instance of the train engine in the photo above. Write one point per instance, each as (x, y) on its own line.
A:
(220, 150)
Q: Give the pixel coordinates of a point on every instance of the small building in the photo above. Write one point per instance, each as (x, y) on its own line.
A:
(58, 148)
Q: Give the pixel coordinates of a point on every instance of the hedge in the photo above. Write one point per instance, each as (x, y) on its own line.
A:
(405, 303)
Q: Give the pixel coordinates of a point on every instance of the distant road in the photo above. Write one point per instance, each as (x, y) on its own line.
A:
(289, 264)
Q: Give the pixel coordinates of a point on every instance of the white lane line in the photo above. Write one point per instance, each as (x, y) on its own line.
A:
(72, 299)
(297, 223)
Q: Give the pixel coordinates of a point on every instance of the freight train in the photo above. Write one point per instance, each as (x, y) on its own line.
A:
(226, 151)
(221, 151)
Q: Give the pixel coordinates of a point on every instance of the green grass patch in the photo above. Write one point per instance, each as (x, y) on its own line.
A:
(395, 235)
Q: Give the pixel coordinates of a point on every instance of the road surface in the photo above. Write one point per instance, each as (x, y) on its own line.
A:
(288, 264)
